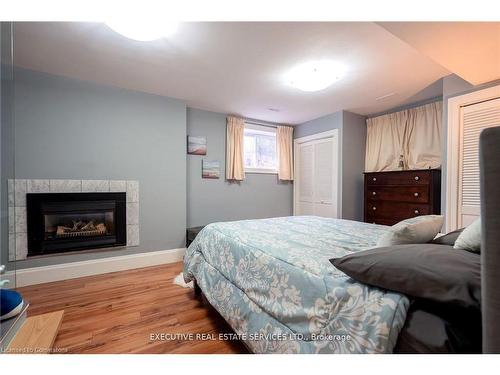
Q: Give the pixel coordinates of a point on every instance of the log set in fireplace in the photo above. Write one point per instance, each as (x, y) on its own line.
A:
(60, 222)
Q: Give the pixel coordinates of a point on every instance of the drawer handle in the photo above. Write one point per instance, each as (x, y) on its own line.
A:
(416, 212)
(374, 193)
(415, 194)
(374, 208)
(417, 178)
(374, 178)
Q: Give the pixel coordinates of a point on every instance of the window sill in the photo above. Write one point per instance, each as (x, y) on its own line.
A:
(260, 171)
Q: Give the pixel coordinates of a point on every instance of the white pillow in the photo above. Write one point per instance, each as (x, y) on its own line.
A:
(420, 229)
(470, 238)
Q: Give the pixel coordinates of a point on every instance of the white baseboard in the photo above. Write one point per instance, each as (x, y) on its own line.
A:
(57, 272)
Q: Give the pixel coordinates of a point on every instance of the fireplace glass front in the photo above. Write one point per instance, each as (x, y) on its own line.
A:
(74, 221)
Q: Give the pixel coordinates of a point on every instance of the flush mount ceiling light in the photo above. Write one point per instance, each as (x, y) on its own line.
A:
(144, 30)
(314, 75)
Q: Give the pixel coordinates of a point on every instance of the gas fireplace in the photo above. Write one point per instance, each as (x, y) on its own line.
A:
(60, 222)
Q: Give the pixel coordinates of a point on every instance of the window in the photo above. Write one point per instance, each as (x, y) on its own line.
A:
(260, 149)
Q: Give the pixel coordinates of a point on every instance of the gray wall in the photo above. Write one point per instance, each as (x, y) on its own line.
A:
(319, 125)
(135, 136)
(7, 136)
(67, 128)
(353, 164)
(212, 200)
(352, 143)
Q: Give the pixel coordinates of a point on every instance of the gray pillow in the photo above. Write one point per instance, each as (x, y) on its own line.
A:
(448, 239)
(436, 273)
(470, 238)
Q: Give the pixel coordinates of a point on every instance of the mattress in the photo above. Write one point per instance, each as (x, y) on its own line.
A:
(272, 281)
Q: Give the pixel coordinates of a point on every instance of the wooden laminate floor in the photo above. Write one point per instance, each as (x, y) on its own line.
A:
(117, 313)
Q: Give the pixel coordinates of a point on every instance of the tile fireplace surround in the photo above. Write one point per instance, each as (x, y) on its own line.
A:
(18, 188)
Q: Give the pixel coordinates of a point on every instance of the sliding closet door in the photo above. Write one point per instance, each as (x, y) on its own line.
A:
(474, 118)
(316, 168)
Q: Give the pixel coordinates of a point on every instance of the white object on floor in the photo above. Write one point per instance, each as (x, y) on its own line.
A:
(179, 280)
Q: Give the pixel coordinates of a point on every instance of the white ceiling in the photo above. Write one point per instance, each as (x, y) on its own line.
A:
(237, 67)
(458, 46)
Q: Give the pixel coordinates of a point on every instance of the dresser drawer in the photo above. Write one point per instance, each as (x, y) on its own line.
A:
(398, 178)
(397, 211)
(410, 194)
(394, 196)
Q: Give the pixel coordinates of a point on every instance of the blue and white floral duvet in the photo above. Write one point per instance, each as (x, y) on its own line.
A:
(272, 281)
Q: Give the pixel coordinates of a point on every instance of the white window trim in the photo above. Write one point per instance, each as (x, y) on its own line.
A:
(260, 170)
(263, 129)
(453, 148)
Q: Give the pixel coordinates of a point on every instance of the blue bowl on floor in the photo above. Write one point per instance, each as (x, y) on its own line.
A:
(11, 303)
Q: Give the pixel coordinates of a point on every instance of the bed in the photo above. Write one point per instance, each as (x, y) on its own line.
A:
(272, 281)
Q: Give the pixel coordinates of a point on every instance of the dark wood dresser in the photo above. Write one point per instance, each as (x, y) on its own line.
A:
(394, 196)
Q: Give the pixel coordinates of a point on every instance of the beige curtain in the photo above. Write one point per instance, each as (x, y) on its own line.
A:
(424, 130)
(284, 140)
(384, 141)
(235, 168)
(413, 133)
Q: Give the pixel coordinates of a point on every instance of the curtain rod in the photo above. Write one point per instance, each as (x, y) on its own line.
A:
(260, 124)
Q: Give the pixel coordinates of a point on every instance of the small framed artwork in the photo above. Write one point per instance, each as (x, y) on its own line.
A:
(197, 145)
(210, 169)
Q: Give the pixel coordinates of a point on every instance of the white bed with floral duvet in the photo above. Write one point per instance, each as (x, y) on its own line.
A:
(272, 281)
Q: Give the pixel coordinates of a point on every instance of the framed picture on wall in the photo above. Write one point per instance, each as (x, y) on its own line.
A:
(197, 145)
(210, 169)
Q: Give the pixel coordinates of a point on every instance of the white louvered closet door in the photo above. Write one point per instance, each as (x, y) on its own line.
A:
(474, 118)
(317, 183)
(306, 179)
(323, 178)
